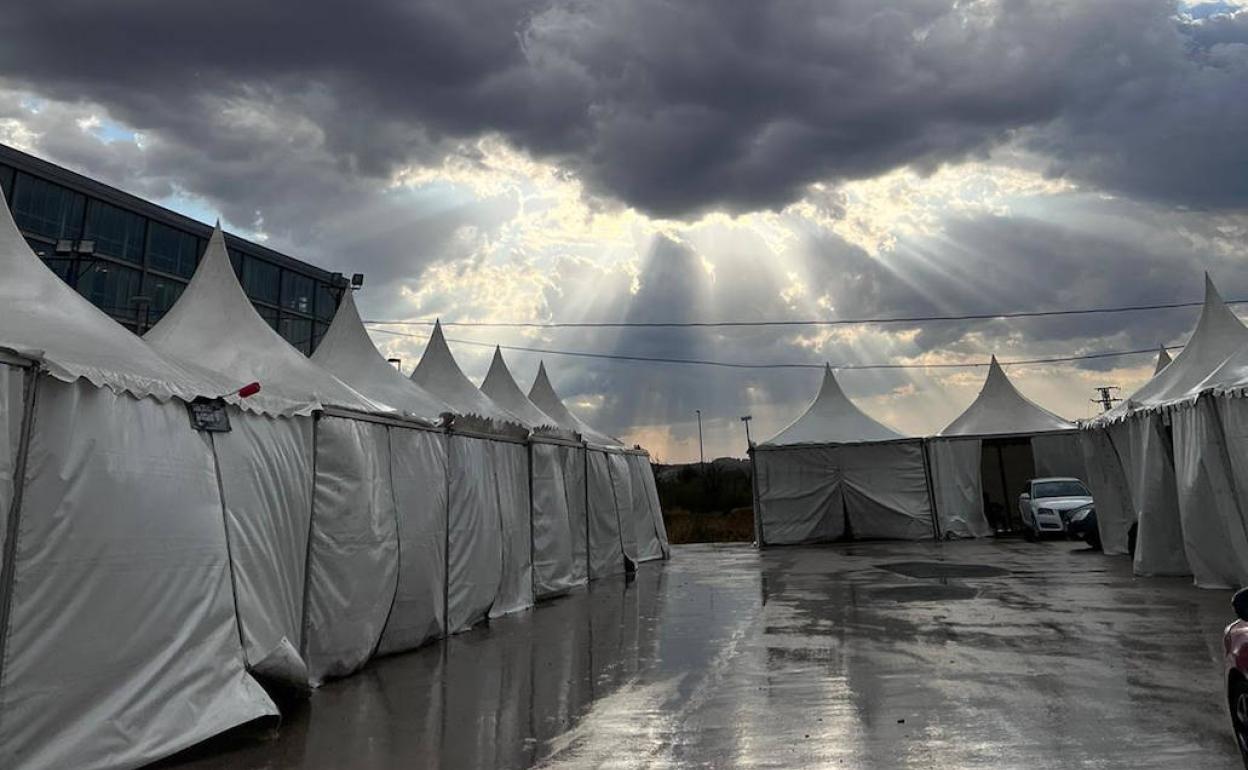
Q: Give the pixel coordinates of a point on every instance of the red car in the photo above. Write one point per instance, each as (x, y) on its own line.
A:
(1235, 645)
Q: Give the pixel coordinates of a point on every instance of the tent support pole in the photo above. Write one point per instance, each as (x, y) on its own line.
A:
(229, 548)
(931, 494)
(758, 508)
(9, 566)
(307, 551)
(532, 549)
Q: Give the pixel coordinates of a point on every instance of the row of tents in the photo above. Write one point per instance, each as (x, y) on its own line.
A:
(1167, 467)
(836, 473)
(186, 514)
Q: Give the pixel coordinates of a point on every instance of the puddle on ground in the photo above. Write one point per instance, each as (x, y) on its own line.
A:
(942, 569)
(924, 593)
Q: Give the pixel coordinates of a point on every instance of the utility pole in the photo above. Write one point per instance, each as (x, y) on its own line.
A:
(1106, 398)
(701, 455)
(746, 419)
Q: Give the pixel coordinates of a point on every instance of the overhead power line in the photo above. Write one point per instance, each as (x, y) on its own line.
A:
(742, 365)
(800, 322)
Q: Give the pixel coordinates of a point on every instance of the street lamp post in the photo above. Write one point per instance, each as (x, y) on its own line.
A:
(701, 455)
(746, 419)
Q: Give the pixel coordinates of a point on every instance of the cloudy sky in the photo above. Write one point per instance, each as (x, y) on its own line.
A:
(682, 160)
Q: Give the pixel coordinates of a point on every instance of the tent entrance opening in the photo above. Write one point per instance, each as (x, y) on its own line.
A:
(1006, 465)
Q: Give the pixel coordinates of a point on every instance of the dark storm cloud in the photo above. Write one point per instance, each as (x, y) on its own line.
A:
(672, 107)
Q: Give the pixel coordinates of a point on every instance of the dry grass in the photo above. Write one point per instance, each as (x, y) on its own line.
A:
(736, 526)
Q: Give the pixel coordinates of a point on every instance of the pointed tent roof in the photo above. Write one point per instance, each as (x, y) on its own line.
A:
(1163, 359)
(832, 419)
(543, 394)
(347, 352)
(1000, 409)
(440, 375)
(1199, 366)
(215, 326)
(42, 318)
(502, 389)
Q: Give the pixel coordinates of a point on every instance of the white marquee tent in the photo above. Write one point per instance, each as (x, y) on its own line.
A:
(417, 458)
(308, 506)
(1174, 446)
(836, 472)
(119, 642)
(624, 518)
(489, 560)
(1000, 419)
(554, 568)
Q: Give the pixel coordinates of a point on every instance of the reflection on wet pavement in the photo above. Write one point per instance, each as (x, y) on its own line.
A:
(901, 655)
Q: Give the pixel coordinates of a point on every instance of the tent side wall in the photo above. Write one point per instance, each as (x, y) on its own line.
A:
(553, 568)
(606, 554)
(1154, 494)
(800, 494)
(622, 488)
(353, 555)
(122, 644)
(956, 487)
(576, 486)
(886, 491)
(418, 468)
(1107, 481)
(511, 487)
(1210, 506)
(265, 469)
(474, 565)
(656, 507)
(1058, 454)
(645, 516)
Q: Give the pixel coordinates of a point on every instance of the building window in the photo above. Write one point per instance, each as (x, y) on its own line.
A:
(236, 261)
(171, 251)
(47, 209)
(6, 182)
(116, 233)
(318, 334)
(110, 287)
(297, 292)
(58, 265)
(262, 280)
(326, 301)
(298, 332)
(269, 315)
(163, 292)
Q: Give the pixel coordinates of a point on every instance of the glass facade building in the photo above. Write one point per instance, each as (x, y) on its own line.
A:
(133, 258)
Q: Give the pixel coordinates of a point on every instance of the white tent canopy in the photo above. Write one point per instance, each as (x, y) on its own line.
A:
(439, 374)
(502, 389)
(214, 325)
(46, 320)
(348, 352)
(832, 419)
(544, 396)
(1163, 360)
(1000, 409)
(120, 643)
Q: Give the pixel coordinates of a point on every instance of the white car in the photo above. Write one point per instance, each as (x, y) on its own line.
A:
(1048, 504)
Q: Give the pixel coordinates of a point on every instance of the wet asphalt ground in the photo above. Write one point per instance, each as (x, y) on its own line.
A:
(891, 655)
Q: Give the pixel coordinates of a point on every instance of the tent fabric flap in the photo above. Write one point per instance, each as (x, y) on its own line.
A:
(511, 485)
(265, 469)
(800, 495)
(885, 490)
(12, 412)
(646, 519)
(606, 553)
(418, 467)
(1107, 481)
(956, 486)
(353, 553)
(1159, 542)
(1214, 537)
(622, 488)
(552, 526)
(474, 564)
(575, 485)
(123, 645)
(1058, 454)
